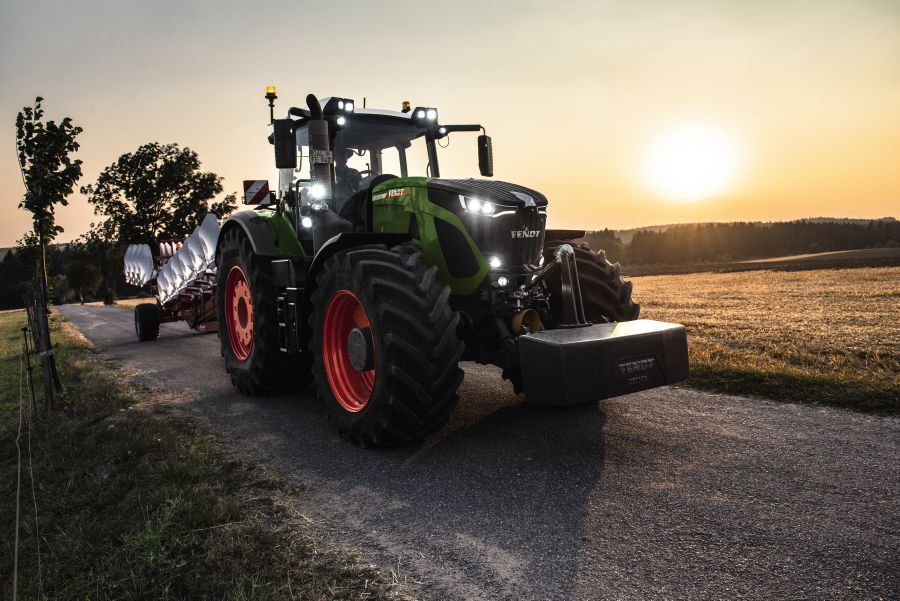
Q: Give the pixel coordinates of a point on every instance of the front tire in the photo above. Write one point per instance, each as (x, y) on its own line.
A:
(412, 388)
(604, 294)
(248, 322)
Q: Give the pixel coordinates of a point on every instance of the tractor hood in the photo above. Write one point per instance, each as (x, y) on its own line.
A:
(502, 192)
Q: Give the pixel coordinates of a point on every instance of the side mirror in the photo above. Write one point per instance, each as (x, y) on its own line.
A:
(285, 144)
(485, 156)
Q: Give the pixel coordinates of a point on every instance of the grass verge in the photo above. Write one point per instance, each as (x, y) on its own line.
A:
(805, 389)
(123, 499)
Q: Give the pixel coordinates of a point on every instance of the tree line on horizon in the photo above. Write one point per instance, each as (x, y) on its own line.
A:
(723, 242)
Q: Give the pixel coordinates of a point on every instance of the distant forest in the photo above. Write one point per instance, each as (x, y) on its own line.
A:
(738, 241)
(17, 278)
(714, 242)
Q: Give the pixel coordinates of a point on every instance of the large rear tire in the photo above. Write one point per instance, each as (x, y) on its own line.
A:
(248, 322)
(392, 294)
(604, 294)
(146, 322)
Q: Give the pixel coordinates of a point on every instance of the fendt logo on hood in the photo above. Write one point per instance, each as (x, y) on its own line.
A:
(525, 233)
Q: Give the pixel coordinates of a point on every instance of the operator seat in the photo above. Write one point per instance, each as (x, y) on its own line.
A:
(358, 207)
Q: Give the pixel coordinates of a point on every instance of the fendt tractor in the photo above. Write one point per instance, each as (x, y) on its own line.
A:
(370, 273)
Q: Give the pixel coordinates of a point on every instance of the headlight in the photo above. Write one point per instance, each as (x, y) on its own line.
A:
(432, 114)
(502, 281)
(317, 191)
(495, 262)
(484, 207)
(341, 120)
(306, 222)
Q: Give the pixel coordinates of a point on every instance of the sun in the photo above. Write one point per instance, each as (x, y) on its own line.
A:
(691, 164)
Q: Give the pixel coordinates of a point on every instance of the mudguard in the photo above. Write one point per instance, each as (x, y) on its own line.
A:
(255, 227)
(336, 245)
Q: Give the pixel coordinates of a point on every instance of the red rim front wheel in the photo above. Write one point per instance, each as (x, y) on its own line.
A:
(239, 312)
(351, 388)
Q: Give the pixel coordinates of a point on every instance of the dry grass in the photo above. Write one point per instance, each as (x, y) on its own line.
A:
(840, 328)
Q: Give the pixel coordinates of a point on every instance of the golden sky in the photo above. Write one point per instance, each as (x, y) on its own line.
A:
(803, 96)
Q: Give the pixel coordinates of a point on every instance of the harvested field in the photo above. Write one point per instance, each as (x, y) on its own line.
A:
(838, 329)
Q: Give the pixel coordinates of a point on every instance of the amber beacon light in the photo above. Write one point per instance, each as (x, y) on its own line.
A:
(270, 96)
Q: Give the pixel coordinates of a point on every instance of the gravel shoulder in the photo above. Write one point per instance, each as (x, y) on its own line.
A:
(662, 494)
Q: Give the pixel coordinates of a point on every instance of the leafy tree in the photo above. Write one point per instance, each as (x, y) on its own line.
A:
(61, 289)
(814, 248)
(47, 171)
(83, 277)
(100, 248)
(156, 192)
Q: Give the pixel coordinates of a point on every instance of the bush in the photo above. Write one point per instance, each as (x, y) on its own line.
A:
(892, 244)
(814, 248)
(110, 297)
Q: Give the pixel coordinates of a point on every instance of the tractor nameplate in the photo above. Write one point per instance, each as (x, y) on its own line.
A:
(391, 194)
(634, 367)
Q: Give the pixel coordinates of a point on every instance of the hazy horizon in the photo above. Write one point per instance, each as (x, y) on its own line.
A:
(580, 98)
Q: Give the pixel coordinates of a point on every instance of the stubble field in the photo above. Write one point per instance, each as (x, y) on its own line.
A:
(828, 337)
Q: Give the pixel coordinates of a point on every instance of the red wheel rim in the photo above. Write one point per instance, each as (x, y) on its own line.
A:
(351, 388)
(239, 313)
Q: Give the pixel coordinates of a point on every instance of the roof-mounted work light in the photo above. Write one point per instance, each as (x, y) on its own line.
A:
(423, 116)
(338, 106)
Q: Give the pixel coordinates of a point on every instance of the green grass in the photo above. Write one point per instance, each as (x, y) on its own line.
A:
(806, 389)
(136, 502)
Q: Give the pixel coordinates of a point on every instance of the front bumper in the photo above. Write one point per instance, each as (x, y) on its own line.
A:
(577, 365)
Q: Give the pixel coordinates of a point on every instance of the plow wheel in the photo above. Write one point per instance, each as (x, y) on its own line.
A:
(385, 347)
(146, 322)
(248, 322)
(604, 293)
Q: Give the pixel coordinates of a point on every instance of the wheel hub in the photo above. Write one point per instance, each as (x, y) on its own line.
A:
(239, 313)
(347, 351)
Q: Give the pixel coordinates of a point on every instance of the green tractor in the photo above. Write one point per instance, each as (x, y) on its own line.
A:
(371, 274)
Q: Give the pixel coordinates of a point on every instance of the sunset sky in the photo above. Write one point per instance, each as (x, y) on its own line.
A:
(624, 113)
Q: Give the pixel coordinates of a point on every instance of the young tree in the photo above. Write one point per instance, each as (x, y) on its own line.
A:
(49, 176)
(156, 192)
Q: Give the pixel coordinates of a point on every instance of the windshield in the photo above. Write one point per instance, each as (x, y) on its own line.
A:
(368, 146)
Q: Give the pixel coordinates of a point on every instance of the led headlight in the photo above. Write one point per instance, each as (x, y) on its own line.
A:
(473, 205)
(487, 208)
(341, 120)
(432, 114)
(306, 222)
(494, 262)
(318, 191)
(348, 107)
(502, 281)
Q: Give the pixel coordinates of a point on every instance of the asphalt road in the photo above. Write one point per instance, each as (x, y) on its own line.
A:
(658, 495)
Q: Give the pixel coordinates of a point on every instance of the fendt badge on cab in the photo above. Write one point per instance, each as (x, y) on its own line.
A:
(525, 233)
